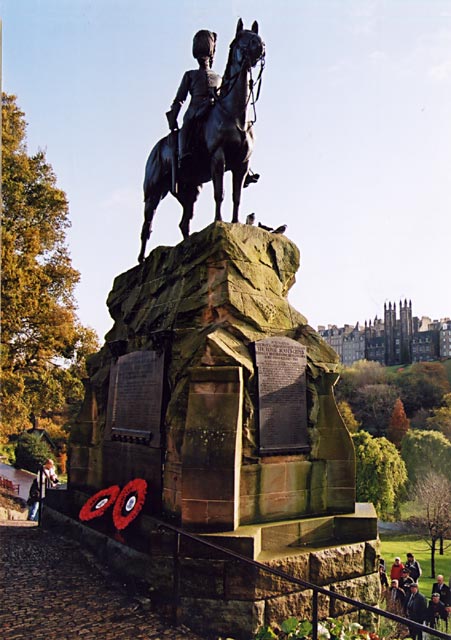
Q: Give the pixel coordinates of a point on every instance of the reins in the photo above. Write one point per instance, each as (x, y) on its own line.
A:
(251, 98)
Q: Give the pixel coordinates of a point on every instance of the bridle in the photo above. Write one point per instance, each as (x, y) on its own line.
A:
(254, 86)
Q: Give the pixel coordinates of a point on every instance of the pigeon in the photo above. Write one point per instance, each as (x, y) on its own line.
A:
(280, 229)
(250, 219)
(262, 226)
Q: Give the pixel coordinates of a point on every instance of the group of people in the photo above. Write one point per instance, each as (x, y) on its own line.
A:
(46, 477)
(403, 596)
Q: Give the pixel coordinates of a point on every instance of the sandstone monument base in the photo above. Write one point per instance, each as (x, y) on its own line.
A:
(213, 389)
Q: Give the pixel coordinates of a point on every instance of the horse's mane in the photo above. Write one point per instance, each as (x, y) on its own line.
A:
(227, 73)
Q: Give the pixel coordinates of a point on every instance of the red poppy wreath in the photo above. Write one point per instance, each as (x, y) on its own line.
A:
(99, 503)
(129, 503)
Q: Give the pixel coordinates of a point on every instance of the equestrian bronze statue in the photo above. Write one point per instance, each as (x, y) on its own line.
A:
(215, 137)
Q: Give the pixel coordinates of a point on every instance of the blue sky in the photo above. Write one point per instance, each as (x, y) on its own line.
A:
(353, 137)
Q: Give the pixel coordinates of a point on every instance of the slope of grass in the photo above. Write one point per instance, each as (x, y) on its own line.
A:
(393, 545)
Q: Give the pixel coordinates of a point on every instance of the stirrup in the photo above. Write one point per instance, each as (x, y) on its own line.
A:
(251, 178)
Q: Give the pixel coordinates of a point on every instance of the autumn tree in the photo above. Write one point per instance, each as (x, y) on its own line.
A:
(440, 418)
(348, 416)
(358, 375)
(43, 343)
(425, 451)
(399, 424)
(432, 495)
(373, 406)
(381, 475)
(422, 386)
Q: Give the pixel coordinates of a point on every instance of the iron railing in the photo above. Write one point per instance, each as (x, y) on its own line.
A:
(180, 533)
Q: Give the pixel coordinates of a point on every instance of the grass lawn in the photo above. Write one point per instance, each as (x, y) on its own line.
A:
(393, 545)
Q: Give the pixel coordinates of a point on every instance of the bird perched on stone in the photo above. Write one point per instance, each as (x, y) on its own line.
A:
(262, 226)
(280, 229)
(250, 219)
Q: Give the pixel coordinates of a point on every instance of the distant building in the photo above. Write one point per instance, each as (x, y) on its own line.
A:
(393, 340)
(445, 338)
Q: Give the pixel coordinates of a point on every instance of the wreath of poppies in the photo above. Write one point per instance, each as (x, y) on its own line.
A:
(99, 503)
(127, 503)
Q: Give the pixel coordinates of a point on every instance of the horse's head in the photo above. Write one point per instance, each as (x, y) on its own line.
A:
(247, 48)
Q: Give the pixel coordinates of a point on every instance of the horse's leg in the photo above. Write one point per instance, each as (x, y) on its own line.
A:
(187, 197)
(238, 176)
(217, 174)
(188, 209)
(149, 212)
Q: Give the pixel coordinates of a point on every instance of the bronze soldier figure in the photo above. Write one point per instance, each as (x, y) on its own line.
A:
(224, 134)
(202, 84)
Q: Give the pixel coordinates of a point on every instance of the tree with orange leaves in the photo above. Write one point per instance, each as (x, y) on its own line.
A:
(399, 424)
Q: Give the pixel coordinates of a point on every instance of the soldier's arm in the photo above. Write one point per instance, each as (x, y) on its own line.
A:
(178, 101)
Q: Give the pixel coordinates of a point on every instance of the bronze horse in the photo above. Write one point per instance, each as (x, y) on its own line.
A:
(225, 142)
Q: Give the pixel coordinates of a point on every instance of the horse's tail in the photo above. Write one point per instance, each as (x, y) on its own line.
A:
(158, 170)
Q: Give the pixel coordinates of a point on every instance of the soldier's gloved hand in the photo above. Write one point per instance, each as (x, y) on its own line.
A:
(172, 120)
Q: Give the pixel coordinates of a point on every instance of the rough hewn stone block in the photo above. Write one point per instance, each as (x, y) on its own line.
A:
(366, 588)
(338, 563)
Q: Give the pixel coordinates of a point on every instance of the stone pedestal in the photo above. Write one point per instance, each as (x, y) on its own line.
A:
(244, 442)
(214, 458)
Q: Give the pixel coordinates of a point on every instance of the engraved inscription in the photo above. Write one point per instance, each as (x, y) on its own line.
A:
(135, 397)
(281, 364)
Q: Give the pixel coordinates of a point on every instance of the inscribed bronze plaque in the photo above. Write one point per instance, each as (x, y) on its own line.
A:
(282, 392)
(135, 397)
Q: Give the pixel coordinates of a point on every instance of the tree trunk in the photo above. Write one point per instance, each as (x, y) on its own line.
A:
(441, 545)
(433, 544)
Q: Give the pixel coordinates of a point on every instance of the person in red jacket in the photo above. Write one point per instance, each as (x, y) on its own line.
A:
(396, 569)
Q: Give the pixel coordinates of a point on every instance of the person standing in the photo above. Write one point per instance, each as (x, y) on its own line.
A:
(383, 574)
(416, 608)
(33, 501)
(405, 581)
(413, 566)
(395, 599)
(396, 569)
(443, 590)
(436, 611)
(46, 477)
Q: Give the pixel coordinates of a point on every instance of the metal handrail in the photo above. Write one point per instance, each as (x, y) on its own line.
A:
(281, 574)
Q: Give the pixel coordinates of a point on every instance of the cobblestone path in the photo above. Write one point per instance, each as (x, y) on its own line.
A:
(49, 590)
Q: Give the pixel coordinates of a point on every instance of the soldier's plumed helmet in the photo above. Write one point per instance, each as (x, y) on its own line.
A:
(204, 44)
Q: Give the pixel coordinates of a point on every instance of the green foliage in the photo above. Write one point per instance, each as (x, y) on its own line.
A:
(381, 474)
(422, 386)
(265, 633)
(373, 406)
(43, 344)
(440, 419)
(31, 452)
(294, 629)
(8, 451)
(424, 451)
(347, 414)
(360, 374)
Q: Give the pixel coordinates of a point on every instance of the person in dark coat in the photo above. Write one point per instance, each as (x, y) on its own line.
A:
(416, 608)
(383, 574)
(443, 590)
(436, 611)
(405, 581)
(395, 598)
(413, 566)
